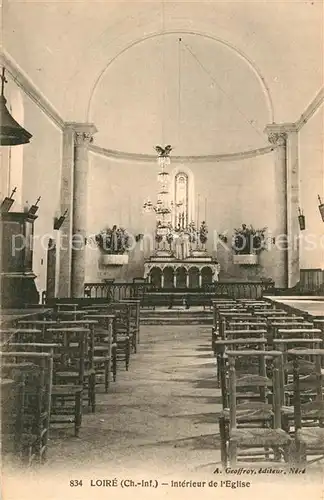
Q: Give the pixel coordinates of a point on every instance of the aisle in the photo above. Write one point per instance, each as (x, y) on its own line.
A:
(159, 415)
(156, 432)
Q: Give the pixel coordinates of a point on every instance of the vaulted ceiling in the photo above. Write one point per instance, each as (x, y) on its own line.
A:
(240, 65)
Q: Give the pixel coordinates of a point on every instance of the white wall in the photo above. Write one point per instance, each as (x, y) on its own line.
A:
(41, 177)
(312, 184)
(237, 192)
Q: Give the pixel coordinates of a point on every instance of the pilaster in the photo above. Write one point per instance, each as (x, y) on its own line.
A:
(285, 139)
(83, 136)
(65, 253)
(76, 140)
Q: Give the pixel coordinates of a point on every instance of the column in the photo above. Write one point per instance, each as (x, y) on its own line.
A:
(200, 279)
(286, 253)
(83, 136)
(187, 278)
(162, 279)
(174, 278)
(215, 274)
(293, 197)
(66, 203)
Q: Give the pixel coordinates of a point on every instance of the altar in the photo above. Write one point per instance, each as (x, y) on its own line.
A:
(169, 272)
(179, 259)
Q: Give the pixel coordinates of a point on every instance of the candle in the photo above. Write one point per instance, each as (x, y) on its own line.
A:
(120, 215)
(198, 212)
(130, 212)
(206, 210)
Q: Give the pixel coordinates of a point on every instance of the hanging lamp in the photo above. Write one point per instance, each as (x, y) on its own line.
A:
(301, 219)
(11, 133)
(321, 207)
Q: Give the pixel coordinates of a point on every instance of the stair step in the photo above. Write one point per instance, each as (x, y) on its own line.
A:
(174, 312)
(176, 316)
(176, 321)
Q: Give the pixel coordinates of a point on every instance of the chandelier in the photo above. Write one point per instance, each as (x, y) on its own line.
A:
(163, 207)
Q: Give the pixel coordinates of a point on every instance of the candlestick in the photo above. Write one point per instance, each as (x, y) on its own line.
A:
(198, 212)
(129, 212)
(120, 215)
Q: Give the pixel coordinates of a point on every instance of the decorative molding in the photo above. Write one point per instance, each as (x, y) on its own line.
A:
(180, 265)
(246, 260)
(277, 138)
(82, 138)
(281, 127)
(278, 132)
(83, 132)
(114, 260)
(311, 109)
(143, 158)
(30, 89)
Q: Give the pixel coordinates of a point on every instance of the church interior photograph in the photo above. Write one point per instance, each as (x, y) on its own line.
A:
(162, 239)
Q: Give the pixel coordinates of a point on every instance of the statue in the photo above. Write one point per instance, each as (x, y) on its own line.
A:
(245, 232)
(186, 245)
(169, 236)
(182, 245)
(163, 152)
(114, 239)
(192, 231)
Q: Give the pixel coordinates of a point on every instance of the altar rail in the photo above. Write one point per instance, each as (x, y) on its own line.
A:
(311, 281)
(241, 289)
(233, 289)
(116, 291)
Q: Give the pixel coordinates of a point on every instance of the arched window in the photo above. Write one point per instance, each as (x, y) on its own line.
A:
(183, 197)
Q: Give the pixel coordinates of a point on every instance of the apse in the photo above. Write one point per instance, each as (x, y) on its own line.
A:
(189, 90)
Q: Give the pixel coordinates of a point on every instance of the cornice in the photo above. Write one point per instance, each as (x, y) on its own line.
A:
(81, 127)
(311, 109)
(30, 89)
(212, 158)
(281, 128)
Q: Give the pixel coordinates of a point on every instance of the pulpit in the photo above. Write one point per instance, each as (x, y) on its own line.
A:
(17, 278)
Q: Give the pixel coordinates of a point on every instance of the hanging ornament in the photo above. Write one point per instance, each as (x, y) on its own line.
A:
(164, 161)
(321, 207)
(148, 206)
(163, 177)
(301, 220)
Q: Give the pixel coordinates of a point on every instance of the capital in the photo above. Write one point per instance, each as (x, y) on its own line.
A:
(278, 132)
(277, 138)
(83, 138)
(83, 132)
